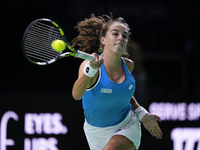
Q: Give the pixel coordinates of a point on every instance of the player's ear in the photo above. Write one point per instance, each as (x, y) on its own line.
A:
(102, 39)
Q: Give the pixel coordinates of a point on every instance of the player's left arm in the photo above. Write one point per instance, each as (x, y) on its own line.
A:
(149, 120)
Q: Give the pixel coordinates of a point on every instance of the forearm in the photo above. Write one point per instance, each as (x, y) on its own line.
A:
(134, 103)
(88, 74)
(139, 111)
(80, 86)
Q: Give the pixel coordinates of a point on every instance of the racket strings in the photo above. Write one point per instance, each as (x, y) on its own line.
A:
(38, 41)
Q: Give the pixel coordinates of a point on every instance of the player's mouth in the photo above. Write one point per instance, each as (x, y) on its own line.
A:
(119, 44)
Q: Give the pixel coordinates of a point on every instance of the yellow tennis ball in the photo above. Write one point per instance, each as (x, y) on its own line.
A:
(58, 45)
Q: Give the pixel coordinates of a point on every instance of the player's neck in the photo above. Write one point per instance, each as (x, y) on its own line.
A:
(112, 62)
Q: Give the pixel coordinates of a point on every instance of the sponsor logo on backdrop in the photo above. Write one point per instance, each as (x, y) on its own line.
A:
(176, 111)
(184, 138)
(42, 124)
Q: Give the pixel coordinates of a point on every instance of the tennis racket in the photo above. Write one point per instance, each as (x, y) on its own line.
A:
(37, 39)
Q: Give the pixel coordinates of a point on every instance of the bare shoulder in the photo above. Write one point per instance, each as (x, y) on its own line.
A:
(129, 63)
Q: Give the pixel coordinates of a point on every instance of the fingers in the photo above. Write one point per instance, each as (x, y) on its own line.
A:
(156, 131)
(97, 57)
(154, 128)
(158, 118)
(97, 62)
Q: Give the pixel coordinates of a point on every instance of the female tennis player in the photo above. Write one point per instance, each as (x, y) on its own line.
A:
(106, 87)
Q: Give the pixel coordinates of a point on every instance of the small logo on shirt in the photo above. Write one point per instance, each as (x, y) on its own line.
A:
(106, 90)
(130, 87)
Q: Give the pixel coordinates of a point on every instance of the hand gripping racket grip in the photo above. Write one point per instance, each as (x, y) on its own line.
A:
(84, 55)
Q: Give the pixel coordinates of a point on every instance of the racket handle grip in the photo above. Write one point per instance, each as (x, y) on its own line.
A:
(84, 55)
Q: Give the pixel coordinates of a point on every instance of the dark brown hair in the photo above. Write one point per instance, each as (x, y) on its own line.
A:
(91, 30)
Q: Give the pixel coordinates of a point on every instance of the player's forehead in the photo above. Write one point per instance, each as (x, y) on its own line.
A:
(117, 26)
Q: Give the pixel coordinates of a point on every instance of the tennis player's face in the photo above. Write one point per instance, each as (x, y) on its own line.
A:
(116, 38)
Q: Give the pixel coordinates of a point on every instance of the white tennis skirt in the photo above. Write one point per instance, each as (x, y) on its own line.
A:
(98, 137)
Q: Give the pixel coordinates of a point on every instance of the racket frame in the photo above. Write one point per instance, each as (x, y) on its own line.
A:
(73, 51)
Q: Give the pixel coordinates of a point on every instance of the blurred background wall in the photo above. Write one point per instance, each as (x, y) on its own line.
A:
(37, 110)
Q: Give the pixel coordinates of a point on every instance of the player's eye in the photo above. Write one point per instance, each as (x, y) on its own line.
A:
(115, 34)
(125, 36)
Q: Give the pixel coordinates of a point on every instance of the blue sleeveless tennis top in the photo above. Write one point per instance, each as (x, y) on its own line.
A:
(108, 103)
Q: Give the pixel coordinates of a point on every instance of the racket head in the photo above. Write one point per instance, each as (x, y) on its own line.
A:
(37, 39)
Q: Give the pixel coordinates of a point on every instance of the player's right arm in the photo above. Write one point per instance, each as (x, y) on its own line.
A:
(83, 82)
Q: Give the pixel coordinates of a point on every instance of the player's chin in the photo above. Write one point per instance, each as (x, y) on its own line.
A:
(120, 50)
